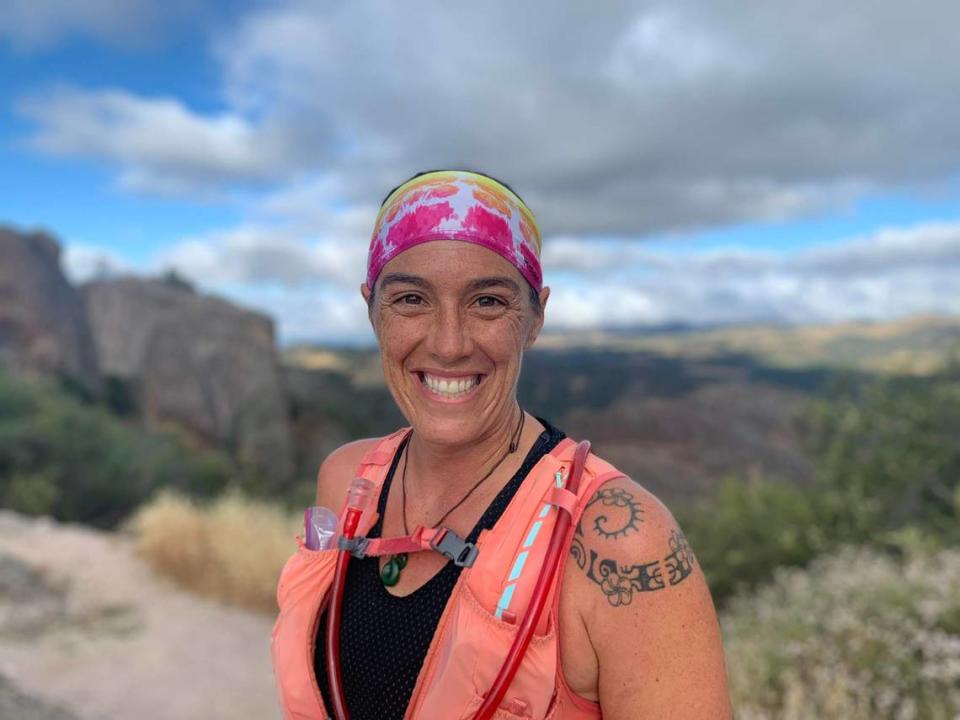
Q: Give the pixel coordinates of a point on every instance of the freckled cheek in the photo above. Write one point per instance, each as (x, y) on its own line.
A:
(501, 344)
(398, 338)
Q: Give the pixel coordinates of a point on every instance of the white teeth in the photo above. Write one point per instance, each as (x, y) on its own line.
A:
(450, 388)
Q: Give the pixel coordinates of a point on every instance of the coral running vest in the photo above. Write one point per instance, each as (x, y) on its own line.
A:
(481, 617)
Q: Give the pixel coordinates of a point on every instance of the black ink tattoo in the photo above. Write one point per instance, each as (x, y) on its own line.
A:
(627, 518)
(619, 582)
(576, 549)
(680, 561)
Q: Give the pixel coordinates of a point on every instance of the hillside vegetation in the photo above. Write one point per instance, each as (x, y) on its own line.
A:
(860, 635)
(65, 456)
(887, 473)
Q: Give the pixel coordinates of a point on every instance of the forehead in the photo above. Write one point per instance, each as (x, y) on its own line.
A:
(452, 263)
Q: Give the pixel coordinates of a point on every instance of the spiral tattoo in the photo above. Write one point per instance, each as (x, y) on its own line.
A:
(626, 517)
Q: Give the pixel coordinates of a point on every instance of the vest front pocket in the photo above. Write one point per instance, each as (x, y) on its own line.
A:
(471, 653)
(303, 583)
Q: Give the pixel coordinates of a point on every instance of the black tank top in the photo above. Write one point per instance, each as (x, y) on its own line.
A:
(383, 638)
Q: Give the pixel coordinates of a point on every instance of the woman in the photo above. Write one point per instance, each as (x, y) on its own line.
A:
(455, 295)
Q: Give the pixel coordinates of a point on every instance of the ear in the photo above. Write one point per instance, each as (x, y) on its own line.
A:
(367, 294)
(534, 332)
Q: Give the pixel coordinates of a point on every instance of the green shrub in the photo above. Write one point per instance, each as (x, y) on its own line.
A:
(857, 635)
(892, 445)
(62, 456)
(749, 527)
(32, 493)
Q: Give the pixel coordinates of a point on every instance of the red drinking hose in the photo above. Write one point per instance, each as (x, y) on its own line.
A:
(357, 499)
(531, 617)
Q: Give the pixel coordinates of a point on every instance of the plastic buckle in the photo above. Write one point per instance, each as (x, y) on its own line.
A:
(356, 546)
(451, 545)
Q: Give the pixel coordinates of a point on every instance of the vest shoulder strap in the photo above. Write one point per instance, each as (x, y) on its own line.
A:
(374, 467)
(381, 453)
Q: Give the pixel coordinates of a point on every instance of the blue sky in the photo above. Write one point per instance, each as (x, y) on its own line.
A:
(688, 161)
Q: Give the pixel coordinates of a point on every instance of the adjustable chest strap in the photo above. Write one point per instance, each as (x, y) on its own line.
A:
(442, 540)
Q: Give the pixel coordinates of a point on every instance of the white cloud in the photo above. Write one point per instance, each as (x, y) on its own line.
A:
(266, 255)
(611, 119)
(892, 273)
(159, 143)
(662, 44)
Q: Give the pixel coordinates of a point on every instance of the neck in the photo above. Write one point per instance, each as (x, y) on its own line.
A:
(438, 472)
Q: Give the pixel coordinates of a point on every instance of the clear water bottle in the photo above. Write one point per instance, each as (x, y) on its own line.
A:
(320, 528)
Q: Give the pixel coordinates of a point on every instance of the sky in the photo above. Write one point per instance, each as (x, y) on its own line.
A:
(688, 162)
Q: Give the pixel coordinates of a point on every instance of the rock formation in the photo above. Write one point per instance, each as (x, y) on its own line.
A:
(196, 361)
(43, 324)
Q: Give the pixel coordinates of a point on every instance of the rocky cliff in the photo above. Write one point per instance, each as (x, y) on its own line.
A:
(43, 324)
(198, 362)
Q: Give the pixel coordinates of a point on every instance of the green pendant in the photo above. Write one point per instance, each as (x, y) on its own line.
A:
(390, 573)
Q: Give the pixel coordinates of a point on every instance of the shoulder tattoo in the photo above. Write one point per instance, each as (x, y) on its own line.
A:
(619, 514)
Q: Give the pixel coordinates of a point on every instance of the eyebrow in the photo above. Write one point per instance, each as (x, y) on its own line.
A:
(472, 286)
(405, 279)
(488, 282)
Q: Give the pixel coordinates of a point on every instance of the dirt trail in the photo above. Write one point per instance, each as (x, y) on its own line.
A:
(95, 633)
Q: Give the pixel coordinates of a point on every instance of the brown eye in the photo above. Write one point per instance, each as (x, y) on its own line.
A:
(489, 301)
(410, 299)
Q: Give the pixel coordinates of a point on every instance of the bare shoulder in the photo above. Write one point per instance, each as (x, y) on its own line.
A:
(646, 609)
(337, 471)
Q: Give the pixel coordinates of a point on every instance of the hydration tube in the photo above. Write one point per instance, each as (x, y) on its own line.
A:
(555, 552)
(358, 496)
(357, 499)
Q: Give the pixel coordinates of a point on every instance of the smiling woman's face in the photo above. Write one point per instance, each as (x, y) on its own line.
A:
(453, 319)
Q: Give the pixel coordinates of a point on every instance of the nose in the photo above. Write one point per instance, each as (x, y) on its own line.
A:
(449, 337)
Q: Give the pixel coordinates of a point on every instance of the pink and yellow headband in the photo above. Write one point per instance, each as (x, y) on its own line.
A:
(456, 205)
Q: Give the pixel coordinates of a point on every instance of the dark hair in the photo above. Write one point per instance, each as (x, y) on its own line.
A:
(427, 172)
(534, 297)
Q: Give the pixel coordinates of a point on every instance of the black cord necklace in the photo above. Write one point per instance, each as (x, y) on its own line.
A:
(390, 573)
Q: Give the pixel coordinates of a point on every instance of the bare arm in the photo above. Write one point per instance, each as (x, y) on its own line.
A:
(647, 611)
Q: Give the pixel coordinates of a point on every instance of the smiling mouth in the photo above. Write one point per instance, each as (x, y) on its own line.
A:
(449, 387)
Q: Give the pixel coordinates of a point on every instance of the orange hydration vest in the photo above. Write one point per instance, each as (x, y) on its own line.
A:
(480, 619)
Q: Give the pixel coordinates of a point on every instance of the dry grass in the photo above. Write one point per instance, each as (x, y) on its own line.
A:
(232, 549)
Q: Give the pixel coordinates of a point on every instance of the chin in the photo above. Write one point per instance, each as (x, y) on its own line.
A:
(447, 428)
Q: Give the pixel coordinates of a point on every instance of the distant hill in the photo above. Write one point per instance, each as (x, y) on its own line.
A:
(914, 345)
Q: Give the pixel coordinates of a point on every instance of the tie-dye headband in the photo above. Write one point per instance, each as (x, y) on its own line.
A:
(456, 205)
